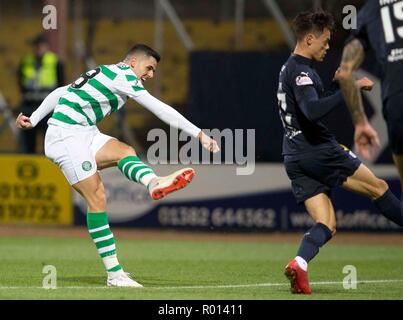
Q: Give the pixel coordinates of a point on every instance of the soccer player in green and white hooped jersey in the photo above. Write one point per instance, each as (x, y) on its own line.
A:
(75, 144)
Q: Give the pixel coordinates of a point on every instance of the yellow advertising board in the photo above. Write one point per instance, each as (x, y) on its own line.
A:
(33, 190)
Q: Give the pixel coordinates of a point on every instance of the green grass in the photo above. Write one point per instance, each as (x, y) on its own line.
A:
(192, 270)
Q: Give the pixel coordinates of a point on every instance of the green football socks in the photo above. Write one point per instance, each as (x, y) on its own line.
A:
(101, 234)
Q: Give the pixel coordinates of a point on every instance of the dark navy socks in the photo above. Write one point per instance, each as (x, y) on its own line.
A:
(319, 234)
(313, 239)
(390, 207)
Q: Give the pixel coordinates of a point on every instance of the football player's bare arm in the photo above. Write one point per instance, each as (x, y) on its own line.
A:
(365, 137)
(353, 55)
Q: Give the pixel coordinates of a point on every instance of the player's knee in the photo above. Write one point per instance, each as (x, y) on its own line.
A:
(126, 151)
(329, 224)
(332, 227)
(380, 188)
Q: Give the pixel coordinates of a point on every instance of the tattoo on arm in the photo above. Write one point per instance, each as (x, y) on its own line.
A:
(353, 55)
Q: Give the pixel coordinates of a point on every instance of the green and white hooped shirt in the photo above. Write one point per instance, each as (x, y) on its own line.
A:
(100, 92)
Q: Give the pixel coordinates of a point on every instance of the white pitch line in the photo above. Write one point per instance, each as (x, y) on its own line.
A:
(229, 286)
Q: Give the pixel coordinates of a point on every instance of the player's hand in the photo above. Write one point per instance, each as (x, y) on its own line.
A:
(208, 143)
(23, 122)
(366, 140)
(364, 84)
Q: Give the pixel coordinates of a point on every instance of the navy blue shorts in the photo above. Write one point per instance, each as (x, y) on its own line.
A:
(319, 172)
(393, 114)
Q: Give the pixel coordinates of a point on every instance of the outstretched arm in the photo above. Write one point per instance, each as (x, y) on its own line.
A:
(172, 117)
(365, 136)
(134, 89)
(47, 106)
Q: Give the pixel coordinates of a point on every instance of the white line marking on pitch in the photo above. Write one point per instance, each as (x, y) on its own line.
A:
(229, 286)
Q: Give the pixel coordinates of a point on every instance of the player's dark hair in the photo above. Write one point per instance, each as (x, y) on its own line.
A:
(142, 48)
(306, 22)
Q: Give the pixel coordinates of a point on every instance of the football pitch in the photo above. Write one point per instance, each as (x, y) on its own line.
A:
(195, 270)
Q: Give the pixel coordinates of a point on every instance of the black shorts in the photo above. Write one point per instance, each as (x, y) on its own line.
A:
(319, 172)
(393, 114)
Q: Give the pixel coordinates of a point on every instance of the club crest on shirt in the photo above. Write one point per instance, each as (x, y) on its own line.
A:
(86, 165)
(303, 79)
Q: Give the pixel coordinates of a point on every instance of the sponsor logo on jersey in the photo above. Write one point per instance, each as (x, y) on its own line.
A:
(303, 79)
(395, 55)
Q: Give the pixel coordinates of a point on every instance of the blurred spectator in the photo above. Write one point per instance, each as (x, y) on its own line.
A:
(39, 73)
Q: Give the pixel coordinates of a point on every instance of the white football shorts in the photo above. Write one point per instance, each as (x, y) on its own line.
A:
(74, 150)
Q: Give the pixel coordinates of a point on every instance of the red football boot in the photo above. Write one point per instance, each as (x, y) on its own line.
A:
(298, 278)
(162, 186)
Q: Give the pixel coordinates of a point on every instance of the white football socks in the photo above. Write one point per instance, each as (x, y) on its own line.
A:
(302, 263)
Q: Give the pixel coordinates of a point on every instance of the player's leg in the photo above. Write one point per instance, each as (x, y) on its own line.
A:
(364, 182)
(70, 150)
(92, 189)
(314, 194)
(321, 210)
(345, 169)
(116, 153)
